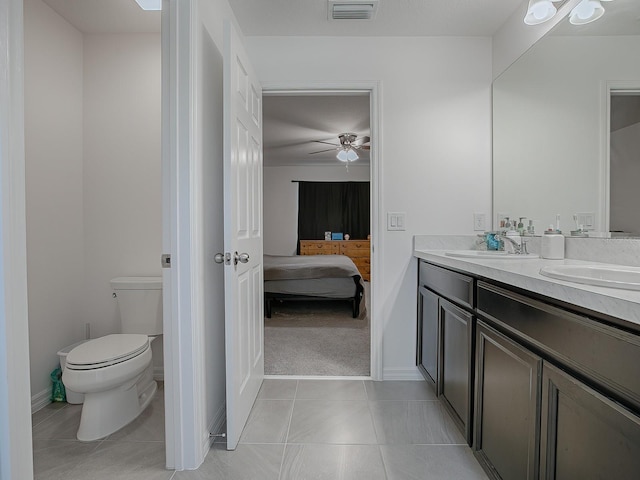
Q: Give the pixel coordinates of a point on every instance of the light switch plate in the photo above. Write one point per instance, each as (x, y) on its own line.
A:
(587, 220)
(396, 221)
(479, 222)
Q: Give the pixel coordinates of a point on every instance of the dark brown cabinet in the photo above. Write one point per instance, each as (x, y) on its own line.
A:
(543, 390)
(454, 378)
(506, 409)
(585, 435)
(428, 333)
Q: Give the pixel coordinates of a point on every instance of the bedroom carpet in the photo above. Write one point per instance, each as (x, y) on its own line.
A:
(316, 338)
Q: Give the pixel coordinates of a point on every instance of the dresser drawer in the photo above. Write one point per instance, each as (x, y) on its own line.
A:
(355, 248)
(318, 247)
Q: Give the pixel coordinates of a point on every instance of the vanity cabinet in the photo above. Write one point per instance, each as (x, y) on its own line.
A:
(585, 434)
(455, 367)
(508, 379)
(543, 390)
(428, 307)
(588, 405)
(445, 339)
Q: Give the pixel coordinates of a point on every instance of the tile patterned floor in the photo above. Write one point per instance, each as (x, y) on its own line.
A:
(298, 429)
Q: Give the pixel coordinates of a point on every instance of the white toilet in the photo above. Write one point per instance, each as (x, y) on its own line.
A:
(115, 372)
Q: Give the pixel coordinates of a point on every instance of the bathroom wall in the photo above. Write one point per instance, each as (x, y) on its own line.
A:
(92, 131)
(281, 200)
(122, 175)
(435, 146)
(54, 190)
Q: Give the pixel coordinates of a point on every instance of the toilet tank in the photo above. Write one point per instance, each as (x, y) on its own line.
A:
(140, 304)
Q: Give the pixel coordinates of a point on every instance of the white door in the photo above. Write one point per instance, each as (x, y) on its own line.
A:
(244, 322)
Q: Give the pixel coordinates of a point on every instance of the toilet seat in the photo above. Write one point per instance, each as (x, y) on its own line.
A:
(106, 351)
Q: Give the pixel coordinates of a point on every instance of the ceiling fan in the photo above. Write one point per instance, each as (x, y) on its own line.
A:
(349, 143)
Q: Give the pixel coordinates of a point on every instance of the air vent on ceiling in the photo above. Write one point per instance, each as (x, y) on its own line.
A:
(352, 9)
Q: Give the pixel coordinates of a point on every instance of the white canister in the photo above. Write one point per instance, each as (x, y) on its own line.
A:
(552, 245)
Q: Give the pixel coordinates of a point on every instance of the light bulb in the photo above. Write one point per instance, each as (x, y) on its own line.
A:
(539, 11)
(585, 12)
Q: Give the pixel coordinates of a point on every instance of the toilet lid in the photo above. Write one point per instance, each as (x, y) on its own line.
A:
(107, 350)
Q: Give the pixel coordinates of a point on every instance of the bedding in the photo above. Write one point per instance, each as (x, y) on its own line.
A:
(306, 277)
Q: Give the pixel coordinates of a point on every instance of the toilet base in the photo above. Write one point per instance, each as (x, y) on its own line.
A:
(106, 412)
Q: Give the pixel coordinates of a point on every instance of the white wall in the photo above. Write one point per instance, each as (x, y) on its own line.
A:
(92, 108)
(122, 176)
(281, 200)
(436, 152)
(53, 136)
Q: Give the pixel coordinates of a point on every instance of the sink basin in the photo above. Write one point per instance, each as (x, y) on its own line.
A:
(489, 254)
(616, 276)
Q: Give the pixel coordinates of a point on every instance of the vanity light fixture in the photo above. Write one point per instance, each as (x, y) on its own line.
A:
(587, 11)
(150, 4)
(539, 11)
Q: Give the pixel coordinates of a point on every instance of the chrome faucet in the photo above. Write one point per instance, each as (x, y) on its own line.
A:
(518, 248)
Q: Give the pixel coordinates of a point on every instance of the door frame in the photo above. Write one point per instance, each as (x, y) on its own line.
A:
(15, 391)
(374, 89)
(609, 87)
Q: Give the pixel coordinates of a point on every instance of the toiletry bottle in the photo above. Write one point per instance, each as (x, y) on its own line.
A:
(521, 226)
(530, 228)
(552, 244)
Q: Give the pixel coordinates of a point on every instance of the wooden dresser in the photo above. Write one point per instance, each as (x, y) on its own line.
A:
(357, 250)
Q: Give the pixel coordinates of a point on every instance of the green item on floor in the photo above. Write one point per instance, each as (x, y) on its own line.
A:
(58, 393)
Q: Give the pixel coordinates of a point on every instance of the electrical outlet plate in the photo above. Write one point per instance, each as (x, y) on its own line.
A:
(479, 222)
(396, 221)
(587, 220)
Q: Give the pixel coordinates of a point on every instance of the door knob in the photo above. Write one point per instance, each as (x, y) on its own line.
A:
(218, 258)
(240, 257)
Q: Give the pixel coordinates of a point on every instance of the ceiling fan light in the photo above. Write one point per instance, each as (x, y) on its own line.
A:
(539, 11)
(352, 155)
(585, 12)
(342, 156)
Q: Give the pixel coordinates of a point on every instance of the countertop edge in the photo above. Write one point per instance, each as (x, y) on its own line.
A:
(524, 274)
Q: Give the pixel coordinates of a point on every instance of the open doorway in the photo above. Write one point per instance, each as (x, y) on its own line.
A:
(318, 326)
(624, 166)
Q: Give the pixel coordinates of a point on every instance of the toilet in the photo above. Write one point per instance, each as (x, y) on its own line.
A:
(115, 372)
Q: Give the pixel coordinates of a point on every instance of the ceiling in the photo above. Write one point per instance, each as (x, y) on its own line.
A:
(621, 17)
(393, 18)
(292, 124)
(107, 16)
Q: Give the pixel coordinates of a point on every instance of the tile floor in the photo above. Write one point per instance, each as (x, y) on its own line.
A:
(298, 429)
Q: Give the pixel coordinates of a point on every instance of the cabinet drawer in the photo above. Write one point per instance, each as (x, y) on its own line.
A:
(316, 247)
(452, 285)
(355, 249)
(608, 356)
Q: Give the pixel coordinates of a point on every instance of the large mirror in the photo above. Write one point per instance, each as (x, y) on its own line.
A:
(566, 128)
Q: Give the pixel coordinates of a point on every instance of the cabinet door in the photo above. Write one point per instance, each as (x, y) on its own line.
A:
(455, 370)
(428, 333)
(507, 401)
(585, 435)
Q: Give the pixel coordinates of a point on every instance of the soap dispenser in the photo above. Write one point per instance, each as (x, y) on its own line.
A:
(552, 244)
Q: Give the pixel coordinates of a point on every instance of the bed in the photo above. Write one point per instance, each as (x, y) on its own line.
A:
(313, 277)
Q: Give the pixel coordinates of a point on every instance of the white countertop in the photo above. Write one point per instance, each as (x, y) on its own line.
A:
(525, 274)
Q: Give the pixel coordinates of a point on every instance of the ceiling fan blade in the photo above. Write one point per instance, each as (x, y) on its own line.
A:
(361, 140)
(328, 143)
(321, 151)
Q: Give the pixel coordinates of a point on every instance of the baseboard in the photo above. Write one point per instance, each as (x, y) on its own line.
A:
(402, 374)
(215, 427)
(158, 374)
(40, 400)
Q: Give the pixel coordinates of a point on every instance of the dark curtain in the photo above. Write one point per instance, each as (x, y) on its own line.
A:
(333, 207)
